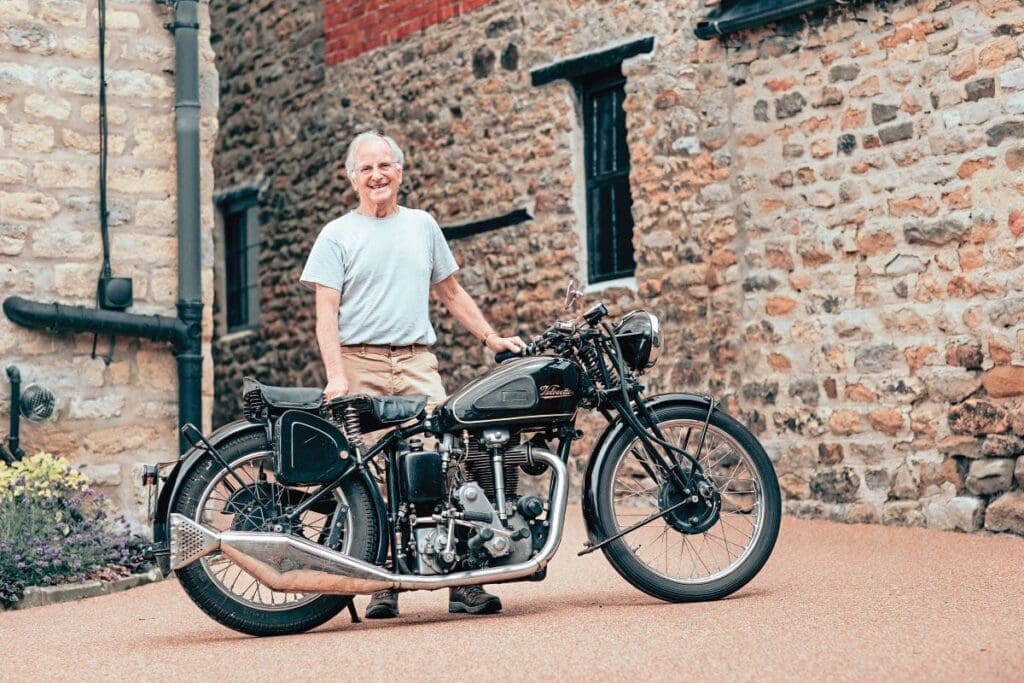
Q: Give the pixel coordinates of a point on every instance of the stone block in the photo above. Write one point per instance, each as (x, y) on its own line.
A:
(904, 264)
(1009, 130)
(81, 47)
(119, 20)
(63, 12)
(835, 485)
(104, 407)
(876, 357)
(16, 74)
(977, 417)
(157, 369)
(950, 384)
(843, 72)
(43, 107)
(789, 105)
(1018, 472)
(1012, 80)
(794, 486)
(1002, 446)
(1006, 513)
(27, 205)
(957, 513)
(12, 238)
(905, 483)
(75, 280)
(32, 137)
(76, 81)
(65, 174)
(1004, 380)
(108, 474)
(12, 172)
(903, 513)
(1008, 312)
(881, 113)
(888, 421)
(846, 422)
(990, 475)
(980, 89)
(65, 243)
(936, 233)
(140, 85)
(31, 37)
(998, 52)
(142, 181)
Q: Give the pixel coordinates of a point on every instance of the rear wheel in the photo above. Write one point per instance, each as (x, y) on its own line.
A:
(701, 550)
(228, 593)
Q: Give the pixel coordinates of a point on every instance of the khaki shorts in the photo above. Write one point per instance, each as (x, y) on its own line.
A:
(393, 371)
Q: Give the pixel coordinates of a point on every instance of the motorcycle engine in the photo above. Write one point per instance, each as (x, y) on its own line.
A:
(478, 518)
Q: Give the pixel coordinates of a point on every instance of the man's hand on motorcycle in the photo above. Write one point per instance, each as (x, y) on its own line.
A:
(497, 344)
(336, 386)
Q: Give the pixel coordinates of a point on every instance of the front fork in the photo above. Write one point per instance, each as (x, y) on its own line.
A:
(692, 483)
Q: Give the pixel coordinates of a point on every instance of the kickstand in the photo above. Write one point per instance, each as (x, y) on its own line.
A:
(352, 611)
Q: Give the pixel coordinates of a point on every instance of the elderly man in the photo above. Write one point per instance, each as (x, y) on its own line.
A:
(374, 270)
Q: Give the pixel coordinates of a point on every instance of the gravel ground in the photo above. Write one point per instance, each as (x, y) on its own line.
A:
(835, 602)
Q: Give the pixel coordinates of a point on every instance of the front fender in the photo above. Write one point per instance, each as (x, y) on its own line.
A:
(595, 531)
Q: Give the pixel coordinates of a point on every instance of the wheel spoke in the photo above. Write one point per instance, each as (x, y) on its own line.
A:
(720, 548)
(260, 500)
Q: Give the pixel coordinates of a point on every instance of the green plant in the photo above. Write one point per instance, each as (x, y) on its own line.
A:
(54, 528)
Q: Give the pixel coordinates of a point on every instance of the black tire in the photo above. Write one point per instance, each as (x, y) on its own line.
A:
(624, 553)
(231, 610)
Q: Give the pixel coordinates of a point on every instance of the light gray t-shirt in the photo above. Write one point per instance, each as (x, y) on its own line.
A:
(384, 268)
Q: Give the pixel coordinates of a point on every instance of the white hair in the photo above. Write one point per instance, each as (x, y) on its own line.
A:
(350, 157)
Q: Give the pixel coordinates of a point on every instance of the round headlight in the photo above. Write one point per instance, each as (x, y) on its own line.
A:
(639, 337)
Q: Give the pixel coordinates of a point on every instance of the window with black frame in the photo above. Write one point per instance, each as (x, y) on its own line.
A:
(241, 248)
(609, 203)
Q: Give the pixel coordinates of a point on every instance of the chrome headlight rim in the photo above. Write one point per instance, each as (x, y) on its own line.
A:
(652, 358)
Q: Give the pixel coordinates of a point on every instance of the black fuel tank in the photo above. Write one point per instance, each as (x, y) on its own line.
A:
(525, 392)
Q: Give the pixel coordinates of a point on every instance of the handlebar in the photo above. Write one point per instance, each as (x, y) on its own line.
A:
(502, 356)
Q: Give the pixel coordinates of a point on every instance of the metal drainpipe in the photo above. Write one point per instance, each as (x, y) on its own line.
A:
(185, 331)
(186, 128)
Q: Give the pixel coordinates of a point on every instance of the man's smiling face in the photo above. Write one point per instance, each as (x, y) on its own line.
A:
(377, 176)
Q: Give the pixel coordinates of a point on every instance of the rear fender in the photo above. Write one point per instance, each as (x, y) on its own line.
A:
(601, 452)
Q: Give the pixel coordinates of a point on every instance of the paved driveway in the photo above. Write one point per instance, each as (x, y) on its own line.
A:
(835, 602)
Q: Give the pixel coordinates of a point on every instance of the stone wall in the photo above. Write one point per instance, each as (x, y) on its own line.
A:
(827, 219)
(109, 418)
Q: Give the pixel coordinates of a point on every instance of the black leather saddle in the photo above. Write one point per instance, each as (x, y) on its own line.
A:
(384, 410)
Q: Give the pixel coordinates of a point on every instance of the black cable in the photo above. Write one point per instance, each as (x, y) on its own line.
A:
(104, 213)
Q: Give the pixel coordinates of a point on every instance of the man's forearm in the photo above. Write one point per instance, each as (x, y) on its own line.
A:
(330, 349)
(465, 310)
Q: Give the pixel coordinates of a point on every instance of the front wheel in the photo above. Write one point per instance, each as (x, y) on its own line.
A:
(695, 552)
(345, 521)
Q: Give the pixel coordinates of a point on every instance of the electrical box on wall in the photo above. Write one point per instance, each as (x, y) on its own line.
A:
(114, 293)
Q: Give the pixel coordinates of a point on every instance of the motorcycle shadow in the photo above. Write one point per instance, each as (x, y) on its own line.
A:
(516, 607)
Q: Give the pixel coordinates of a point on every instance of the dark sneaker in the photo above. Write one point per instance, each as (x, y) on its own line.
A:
(472, 600)
(383, 605)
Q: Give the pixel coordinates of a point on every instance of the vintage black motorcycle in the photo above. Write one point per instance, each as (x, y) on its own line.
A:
(276, 521)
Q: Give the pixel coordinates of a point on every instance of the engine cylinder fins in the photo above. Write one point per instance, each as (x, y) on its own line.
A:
(190, 541)
(479, 468)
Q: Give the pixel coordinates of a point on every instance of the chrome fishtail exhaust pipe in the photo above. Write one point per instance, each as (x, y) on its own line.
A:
(296, 565)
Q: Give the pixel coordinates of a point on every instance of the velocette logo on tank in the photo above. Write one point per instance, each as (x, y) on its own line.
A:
(554, 391)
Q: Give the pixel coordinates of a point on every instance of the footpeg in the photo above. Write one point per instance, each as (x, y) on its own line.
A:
(190, 541)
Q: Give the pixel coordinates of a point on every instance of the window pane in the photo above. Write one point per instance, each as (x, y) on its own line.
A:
(609, 215)
(235, 269)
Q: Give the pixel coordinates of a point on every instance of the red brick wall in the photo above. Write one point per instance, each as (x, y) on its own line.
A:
(353, 27)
